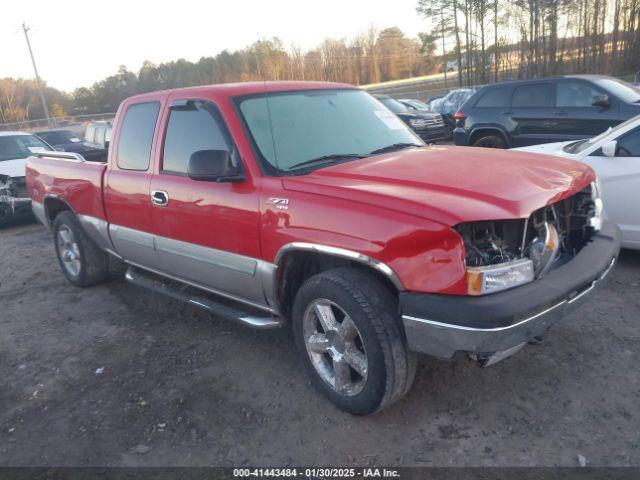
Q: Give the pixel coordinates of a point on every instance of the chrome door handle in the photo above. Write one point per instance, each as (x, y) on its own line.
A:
(159, 197)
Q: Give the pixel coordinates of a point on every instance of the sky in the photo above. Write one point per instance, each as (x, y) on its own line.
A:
(77, 43)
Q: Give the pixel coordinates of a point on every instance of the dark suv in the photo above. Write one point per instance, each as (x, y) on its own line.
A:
(529, 112)
(428, 126)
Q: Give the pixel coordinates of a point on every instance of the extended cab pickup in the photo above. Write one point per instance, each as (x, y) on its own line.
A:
(312, 204)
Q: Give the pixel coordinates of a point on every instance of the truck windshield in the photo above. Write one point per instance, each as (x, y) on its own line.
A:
(295, 132)
(20, 146)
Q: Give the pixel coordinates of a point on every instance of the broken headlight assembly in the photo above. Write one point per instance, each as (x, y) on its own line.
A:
(503, 254)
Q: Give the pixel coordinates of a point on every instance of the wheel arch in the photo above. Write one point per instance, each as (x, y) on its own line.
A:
(298, 261)
(484, 131)
(53, 206)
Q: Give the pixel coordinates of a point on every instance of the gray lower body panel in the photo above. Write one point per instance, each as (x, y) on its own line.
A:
(235, 274)
(229, 274)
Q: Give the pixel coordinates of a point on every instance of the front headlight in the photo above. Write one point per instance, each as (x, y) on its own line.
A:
(598, 207)
(494, 278)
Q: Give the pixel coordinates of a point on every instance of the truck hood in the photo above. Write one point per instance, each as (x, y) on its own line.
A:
(13, 168)
(451, 185)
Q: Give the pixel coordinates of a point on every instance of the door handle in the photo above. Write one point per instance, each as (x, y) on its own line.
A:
(560, 113)
(507, 112)
(159, 197)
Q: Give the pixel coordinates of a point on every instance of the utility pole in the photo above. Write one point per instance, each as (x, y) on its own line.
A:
(35, 69)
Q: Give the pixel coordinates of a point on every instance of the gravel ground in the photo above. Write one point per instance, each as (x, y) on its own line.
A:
(115, 375)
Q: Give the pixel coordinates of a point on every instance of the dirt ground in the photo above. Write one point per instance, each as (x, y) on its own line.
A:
(115, 375)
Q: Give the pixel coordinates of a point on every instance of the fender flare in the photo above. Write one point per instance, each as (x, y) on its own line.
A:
(47, 201)
(337, 252)
(493, 128)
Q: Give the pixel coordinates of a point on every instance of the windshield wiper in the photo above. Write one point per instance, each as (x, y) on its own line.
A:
(395, 146)
(326, 159)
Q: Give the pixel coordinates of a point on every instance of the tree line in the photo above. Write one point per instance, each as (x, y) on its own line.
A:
(495, 39)
(476, 41)
(370, 57)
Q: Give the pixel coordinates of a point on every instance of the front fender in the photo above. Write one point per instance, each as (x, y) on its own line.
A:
(415, 254)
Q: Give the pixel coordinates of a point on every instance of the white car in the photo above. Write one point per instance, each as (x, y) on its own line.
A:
(615, 157)
(15, 148)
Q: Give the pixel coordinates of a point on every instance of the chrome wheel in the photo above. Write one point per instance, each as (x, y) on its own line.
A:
(335, 347)
(69, 251)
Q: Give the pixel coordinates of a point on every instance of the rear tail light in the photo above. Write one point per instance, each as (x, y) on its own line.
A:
(459, 115)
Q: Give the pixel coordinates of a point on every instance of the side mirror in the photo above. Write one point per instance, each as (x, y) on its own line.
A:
(610, 148)
(213, 166)
(601, 101)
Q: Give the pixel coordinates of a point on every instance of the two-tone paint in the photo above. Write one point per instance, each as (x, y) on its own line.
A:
(393, 212)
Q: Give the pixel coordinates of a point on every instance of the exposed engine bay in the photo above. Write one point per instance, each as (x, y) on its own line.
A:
(550, 237)
(14, 198)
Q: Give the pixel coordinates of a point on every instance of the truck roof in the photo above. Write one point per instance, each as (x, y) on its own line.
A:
(247, 88)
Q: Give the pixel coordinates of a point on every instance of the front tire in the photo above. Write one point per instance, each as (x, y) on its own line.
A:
(82, 261)
(348, 334)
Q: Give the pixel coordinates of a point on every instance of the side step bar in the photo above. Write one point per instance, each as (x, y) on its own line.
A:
(142, 279)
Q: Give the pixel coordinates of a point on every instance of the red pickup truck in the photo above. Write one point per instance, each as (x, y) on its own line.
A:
(311, 204)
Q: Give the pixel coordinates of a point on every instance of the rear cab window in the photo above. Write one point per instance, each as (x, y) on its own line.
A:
(534, 95)
(136, 136)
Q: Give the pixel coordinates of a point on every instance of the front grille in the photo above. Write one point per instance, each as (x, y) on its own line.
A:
(436, 120)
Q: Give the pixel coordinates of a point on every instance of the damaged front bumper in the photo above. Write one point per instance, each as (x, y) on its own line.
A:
(14, 201)
(443, 325)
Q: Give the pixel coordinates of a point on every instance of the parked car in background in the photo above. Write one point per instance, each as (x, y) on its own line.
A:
(68, 141)
(307, 203)
(529, 112)
(414, 105)
(428, 126)
(615, 157)
(15, 147)
(448, 105)
(99, 133)
(433, 101)
(453, 100)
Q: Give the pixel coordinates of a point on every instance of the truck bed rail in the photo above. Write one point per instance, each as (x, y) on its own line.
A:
(70, 156)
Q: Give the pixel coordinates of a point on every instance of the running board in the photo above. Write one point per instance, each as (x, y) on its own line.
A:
(142, 279)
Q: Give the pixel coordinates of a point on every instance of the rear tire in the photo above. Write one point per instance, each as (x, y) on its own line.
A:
(82, 261)
(348, 334)
(491, 141)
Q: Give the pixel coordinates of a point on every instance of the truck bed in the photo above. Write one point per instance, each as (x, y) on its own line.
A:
(67, 177)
